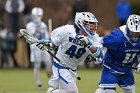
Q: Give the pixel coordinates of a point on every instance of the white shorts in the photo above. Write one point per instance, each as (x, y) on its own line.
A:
(38, 55)
(61, 74)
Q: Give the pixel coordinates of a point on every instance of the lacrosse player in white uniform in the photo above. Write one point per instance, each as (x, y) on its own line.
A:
(73, 48)
(38, 28)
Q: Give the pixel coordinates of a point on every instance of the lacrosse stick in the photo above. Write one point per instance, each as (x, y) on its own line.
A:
(124, 65)
(31, 39)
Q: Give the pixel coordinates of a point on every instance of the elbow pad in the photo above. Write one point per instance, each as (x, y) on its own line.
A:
(98, 53)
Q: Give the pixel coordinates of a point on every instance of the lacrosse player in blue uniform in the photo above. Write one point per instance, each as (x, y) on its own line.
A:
(123, 45)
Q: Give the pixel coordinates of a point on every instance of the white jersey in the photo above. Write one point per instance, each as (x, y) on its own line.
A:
(31, 27)
(38, 55)
(71, 51)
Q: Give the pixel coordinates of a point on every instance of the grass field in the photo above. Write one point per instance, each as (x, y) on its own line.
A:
(22, 81)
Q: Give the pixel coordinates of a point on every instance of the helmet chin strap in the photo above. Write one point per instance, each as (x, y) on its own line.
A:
(83, 33)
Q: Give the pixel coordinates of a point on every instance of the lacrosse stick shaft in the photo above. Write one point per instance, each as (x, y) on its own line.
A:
(50, 25)
(123, 65)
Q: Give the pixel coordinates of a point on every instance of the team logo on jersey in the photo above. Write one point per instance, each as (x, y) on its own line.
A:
(132, 50)
(75, 41)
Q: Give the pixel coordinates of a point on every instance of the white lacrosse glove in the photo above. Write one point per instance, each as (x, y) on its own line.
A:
(138, 69)
(98, 61)
(86, 42)
(44, 43)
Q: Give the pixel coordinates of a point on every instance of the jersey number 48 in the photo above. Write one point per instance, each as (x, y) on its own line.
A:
(72, 52)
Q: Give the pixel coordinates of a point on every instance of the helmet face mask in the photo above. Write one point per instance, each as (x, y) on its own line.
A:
(36, 19)
(86, 22)
(37, 14)
(92, 26)
(134, 36)
(133, 25)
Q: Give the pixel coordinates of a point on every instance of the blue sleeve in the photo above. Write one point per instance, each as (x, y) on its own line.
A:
(113, 40)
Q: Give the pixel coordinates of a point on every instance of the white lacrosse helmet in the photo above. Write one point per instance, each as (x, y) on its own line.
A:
(87, 22)
(133, 25)
(37, 14)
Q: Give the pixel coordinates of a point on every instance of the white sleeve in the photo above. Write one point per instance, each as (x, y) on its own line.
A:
(97, 41)
(58, 35)
(8, 6)
(31, 28)
(21, 6)
(46, 31)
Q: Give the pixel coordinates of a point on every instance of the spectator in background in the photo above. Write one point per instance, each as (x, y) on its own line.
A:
(7, 46)
(27, 14)
(14, 8)
(1, 10)
(78, 6)
(3, 47)
(123, 10)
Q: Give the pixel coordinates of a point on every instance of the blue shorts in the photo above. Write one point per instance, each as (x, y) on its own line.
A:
(109, 79)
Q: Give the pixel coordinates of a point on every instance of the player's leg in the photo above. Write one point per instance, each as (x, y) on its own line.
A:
(105, 91)
(53, 83)
(128, 90)
(127, 82)
(37, 73)
(37, 66)
(47, 59)
(64, 88)
(108, 81)
(69, 87)
(36, 59)
(66, 82)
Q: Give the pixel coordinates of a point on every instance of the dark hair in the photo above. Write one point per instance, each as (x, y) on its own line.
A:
(76, 27)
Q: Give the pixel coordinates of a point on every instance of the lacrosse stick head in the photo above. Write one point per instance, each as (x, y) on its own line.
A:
(28, 36)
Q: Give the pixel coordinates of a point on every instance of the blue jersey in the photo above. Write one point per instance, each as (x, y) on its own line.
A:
(120, 50)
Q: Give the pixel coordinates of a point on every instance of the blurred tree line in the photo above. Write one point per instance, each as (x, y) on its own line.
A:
(136, 6)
